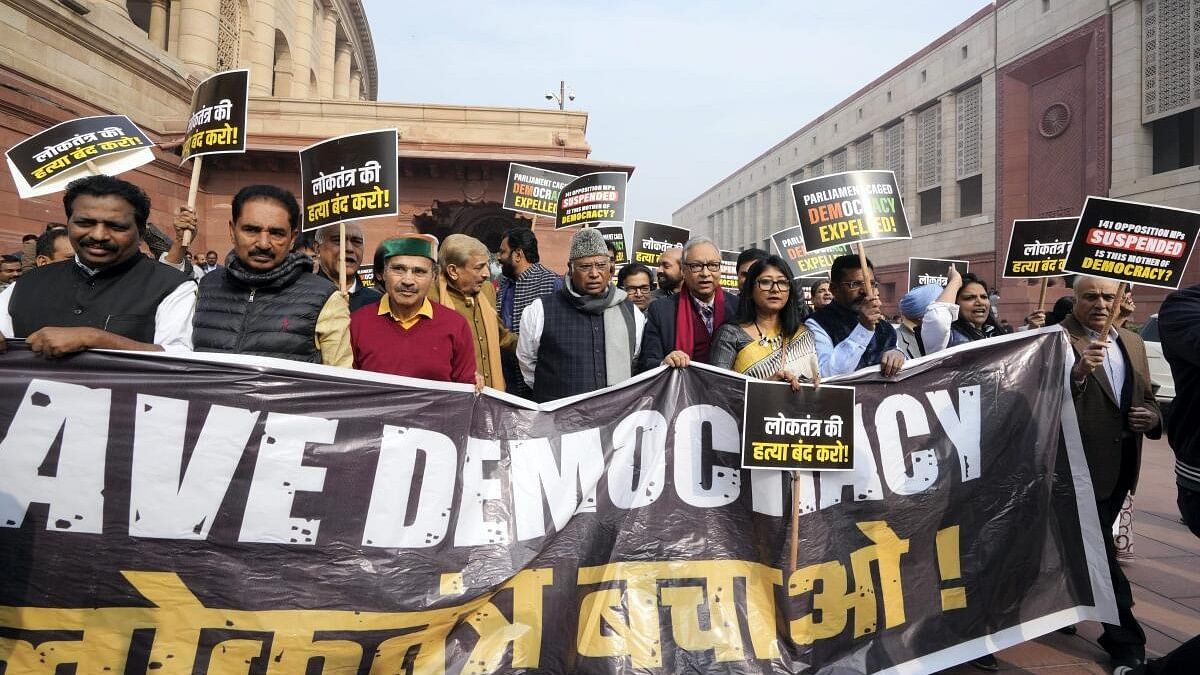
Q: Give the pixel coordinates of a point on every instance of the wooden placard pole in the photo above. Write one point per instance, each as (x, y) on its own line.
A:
(342, 285)
(91, 167)
(1112, 313)
(193, 188)
(867, 276)
(794, 544)
(1042, 295)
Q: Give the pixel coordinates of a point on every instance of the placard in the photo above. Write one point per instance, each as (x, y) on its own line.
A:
(812, 429)
(349, 177)
(218, 121)
(615, 234)
(729, 274)
(534, 191)
(651, 239)
(849, 207)
(46, 162)
(925, 271)
(1038, 247)
(1133, 242)
(790, 245)
(593, 198)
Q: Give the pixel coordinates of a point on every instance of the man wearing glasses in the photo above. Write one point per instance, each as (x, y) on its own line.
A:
(634, 279)
(851, 332)
(679, 328)
(584, 336)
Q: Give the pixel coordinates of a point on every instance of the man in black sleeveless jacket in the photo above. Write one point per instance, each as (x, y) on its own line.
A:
(265, 300)
(109, 296)
(851, 332)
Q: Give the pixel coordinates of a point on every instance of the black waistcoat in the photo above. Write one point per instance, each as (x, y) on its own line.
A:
(120, 299)
(571, 351)
(269, 314)
(839, 322)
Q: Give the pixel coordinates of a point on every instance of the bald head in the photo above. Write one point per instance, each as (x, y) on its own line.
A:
(670, 271)
(1095, 299)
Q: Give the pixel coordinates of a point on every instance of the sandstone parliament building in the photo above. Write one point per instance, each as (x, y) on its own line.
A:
(313, 76)
(1021, 111)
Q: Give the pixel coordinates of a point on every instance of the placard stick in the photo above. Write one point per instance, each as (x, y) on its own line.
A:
(1112, 313)
(91, 167)
(342, 258)
(867, 277)
(1042, 295)
(193, 188)
(533, 221)
(794, 548)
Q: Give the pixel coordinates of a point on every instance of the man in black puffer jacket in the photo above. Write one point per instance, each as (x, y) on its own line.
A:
(1179, 326)
(265, 300)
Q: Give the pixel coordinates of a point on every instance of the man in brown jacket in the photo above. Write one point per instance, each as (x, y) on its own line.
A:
(463, 285)
(1110, 382)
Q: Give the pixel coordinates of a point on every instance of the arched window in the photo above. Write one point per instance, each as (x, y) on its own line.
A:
(282, 84)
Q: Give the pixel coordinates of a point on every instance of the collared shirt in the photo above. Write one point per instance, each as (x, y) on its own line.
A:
(843, 357)
(172, 318)
(706, 310)
(426, 311)
(1114, 360)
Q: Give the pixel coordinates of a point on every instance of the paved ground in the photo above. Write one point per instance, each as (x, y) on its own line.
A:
(1165, 574)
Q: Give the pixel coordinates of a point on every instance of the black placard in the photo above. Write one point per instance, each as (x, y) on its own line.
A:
(593, 198)
(218, 121)
(848, 207)
(615, 235)
(1133, 242)
(348, 177)
(534, 191)
(110, 144)
(729, 275)
(805, 264)
(810, 429)
(651, 239)
(1038, 247)
(924, 271)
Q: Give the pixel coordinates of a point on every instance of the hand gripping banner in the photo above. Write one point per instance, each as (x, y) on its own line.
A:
(224, 514)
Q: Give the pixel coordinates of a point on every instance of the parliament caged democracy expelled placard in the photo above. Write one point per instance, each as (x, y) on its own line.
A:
(222, 513)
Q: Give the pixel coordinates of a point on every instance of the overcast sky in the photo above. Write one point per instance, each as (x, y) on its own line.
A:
(686, 92)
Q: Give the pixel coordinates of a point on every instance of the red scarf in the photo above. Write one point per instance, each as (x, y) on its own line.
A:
(685, 317)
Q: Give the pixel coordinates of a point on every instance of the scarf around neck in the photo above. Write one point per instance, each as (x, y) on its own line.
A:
(685, 338)
(619, 331)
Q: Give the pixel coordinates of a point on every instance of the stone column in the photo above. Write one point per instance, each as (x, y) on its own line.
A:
(262, 49)
(198, 23)
(355, 85)
(341, 71)
(912, 203)
(158, 23)
(173, 28)
(328, 43)
(302, 51)
(949, 178)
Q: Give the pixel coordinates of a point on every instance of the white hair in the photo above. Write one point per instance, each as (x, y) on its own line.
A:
(699, 240)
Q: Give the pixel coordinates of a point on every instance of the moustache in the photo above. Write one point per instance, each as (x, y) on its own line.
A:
(88, 242)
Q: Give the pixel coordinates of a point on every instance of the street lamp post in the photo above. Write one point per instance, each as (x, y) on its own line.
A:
(564, 94)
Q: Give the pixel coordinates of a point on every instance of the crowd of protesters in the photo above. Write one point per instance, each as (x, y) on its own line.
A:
(437, 313)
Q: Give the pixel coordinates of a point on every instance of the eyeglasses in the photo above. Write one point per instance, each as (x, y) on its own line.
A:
(588, 268)
(712, 266)
(773, 284)
(637, 290)
(858, 284)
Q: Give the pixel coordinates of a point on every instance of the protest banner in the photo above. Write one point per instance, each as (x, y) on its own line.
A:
(190, 513)
(44, 163)
(615, 235)
(534, 191)
(923, 271)
(790, 245)
(809, 429)
(849, 207)
(651, 239)
(1038, 247)
(349, 177)
(729, 275)
(218, 121)
(1133, 242)
(592, 198)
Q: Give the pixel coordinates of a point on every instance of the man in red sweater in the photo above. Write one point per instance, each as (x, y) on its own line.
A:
(404, 333)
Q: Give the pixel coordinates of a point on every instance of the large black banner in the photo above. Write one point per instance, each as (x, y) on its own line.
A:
(214, 514)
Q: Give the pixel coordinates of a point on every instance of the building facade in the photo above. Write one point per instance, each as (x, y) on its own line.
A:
(313, 76)
(1021, 111)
